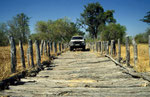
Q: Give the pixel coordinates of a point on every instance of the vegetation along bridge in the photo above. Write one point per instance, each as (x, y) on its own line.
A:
(81, 73)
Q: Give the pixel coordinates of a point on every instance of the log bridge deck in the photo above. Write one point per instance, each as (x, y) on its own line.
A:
(81, 74)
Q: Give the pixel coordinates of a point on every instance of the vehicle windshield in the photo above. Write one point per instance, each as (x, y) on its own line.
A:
(75, 38)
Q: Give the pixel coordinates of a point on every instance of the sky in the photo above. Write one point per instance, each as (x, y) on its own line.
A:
(127, 12)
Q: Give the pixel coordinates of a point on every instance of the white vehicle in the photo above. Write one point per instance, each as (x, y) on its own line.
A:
(77, 42)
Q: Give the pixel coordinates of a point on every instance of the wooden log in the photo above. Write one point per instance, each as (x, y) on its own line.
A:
(51, 46)
(59, 44)
(119, 51)
(49, 53)
(22, 54)
(41, 50)
(31, 52)
(96, 46)
(13, 55)
(28, 56)
(55, 47)
(112, 47)
(107, 45)
(135, 52)
(149, 48)
(38, 57)
(127, 51)
(101, 47)
(45, 47)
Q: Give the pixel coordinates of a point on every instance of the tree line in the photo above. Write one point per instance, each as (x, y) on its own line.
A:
(99, 23)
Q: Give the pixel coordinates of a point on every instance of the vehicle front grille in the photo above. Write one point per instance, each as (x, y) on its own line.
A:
(77, 42)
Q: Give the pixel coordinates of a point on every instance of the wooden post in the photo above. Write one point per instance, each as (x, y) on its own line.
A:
(13, 55)
(31, 52)
(59, 47)
(28, 56)
(107, 48)
(96, 46)
(45, 47)
(55, 48)
(112, 41)
(41, 52)
(119, 51)
(38, 58)
(22, 54)
(127, 51)
(149, 48)
(49, 49)
(101, 47)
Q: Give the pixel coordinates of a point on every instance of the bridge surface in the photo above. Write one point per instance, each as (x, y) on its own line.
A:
(81, 74)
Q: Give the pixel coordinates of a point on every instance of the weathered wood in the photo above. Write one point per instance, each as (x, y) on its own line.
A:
(135, 52)
(107, 48)
(22, 54)
(55, 47)
(127, 51)
(13, 55)
(112, 41)
(45, 47)
(99, 46)
(119, 51)
(49, 53)
(102, 47)
(31, 52)
(38, 57)
(28, 56)
(114, 47)
(59, 44)
(51, 46)
(149, 48)
(41, 49)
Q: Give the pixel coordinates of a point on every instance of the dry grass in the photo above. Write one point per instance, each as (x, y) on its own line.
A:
(5, 61)
(143, 57)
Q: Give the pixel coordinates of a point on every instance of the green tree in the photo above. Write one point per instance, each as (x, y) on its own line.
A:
(59, 30)
(143, 37)
(94, 16)
(19, 27)
(3, 34)
(113, 32)
(146, 18)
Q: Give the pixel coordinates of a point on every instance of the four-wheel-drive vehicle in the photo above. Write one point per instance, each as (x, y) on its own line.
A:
(77, 42)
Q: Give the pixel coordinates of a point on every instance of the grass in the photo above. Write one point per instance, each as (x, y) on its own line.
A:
(143, 57)
(5, 60)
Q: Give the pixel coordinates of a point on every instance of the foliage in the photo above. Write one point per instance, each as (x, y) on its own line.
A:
(113, 32)
(3, 34)
(19, 27)
(94, 16)
(58, 30)
(146, 18)
(143, 37)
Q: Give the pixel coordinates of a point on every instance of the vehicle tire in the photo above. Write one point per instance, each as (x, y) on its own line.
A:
(83, 48)
(71, 48)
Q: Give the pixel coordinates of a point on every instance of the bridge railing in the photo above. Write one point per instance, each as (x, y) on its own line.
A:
(28, 59)
(133, 55)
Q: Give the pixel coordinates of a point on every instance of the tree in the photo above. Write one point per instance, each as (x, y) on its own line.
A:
(143, 37)
(19, 27)
(3, 34)
(113, 32)
(146, 18)
(94, 16)
(59, 30)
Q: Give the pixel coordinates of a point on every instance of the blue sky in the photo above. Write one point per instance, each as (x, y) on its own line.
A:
(127, 12)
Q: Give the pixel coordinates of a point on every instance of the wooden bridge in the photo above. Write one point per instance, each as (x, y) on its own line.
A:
(81, 74)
